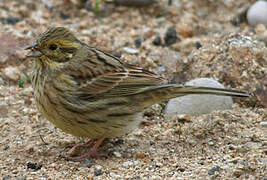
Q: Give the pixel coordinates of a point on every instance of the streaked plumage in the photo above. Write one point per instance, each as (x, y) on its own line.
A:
(90, 93)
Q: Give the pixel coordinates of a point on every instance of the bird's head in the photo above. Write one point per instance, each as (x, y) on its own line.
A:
(55, 46)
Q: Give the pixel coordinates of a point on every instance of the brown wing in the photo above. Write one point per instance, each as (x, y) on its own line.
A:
(104, 75)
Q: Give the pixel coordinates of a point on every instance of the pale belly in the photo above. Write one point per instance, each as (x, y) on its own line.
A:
(82, 125)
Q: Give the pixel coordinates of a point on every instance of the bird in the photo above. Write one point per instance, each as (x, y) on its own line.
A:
(90, 93)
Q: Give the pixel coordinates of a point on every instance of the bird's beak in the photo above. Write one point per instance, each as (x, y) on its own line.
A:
(34, 51)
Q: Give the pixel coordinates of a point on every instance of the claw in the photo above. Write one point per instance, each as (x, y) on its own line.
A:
(91, 154)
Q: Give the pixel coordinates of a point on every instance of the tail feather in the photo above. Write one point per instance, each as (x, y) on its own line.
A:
(156, 94)
(210, 90)
(174, 90)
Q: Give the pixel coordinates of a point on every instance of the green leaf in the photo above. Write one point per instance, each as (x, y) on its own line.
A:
(22, 81)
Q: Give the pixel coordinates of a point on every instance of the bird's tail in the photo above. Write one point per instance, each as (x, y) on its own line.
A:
(186, 90)
(156, 94)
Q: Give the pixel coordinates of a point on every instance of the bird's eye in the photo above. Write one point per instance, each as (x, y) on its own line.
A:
(53, 47)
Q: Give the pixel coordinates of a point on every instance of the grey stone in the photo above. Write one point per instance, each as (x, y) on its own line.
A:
(198, 104)
(257, 13)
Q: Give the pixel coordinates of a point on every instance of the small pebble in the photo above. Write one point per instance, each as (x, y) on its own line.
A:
(25, 111)
(117, 154)
(118, 54)
(211, 143)
(21, 178)
(161, 69)
(237, 173)
(170, 36)
(3, 110)
(53, 164)
(89, 6)
(155, 177)
(87, 163)
(183, 118)
(48, 4)
(127, 164)
(235, 21)
(257, 13)
(98, 170)
(153, 110)
(6, 147)
(138, 41)
(263, 123)
(12, 73)
(213, 170)
(130, 50)
(198, 45)
(261, 30)
(115, 176)
(29, 149)
(12, 20)
(33, 165)
(63, 16)
(118, 141)
(158, 164)
(7, 177)
(140, 155)
(151, 143)
(157, 41)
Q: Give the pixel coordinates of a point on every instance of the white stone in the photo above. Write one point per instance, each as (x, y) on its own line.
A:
(98, 167)
(159, 164)
(136, 163)
(12, 73)
(117, 154)
(117, 176)
(127, 164)
(25, 110)
(27, 90)
(198, 104)
(257, 13)
(130, 50)
(263, 123)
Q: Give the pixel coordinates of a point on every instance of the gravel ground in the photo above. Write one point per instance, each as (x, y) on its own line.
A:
(182, 41)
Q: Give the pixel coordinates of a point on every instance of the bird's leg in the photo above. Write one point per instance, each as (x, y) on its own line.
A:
(76, 149)
(92, 152)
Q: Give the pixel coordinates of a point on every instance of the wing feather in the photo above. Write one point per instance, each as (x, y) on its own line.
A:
(103, 75)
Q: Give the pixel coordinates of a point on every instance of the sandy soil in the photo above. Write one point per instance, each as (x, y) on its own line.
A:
(213, 40)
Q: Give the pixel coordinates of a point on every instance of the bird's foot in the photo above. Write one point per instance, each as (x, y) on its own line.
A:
(75, 151)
